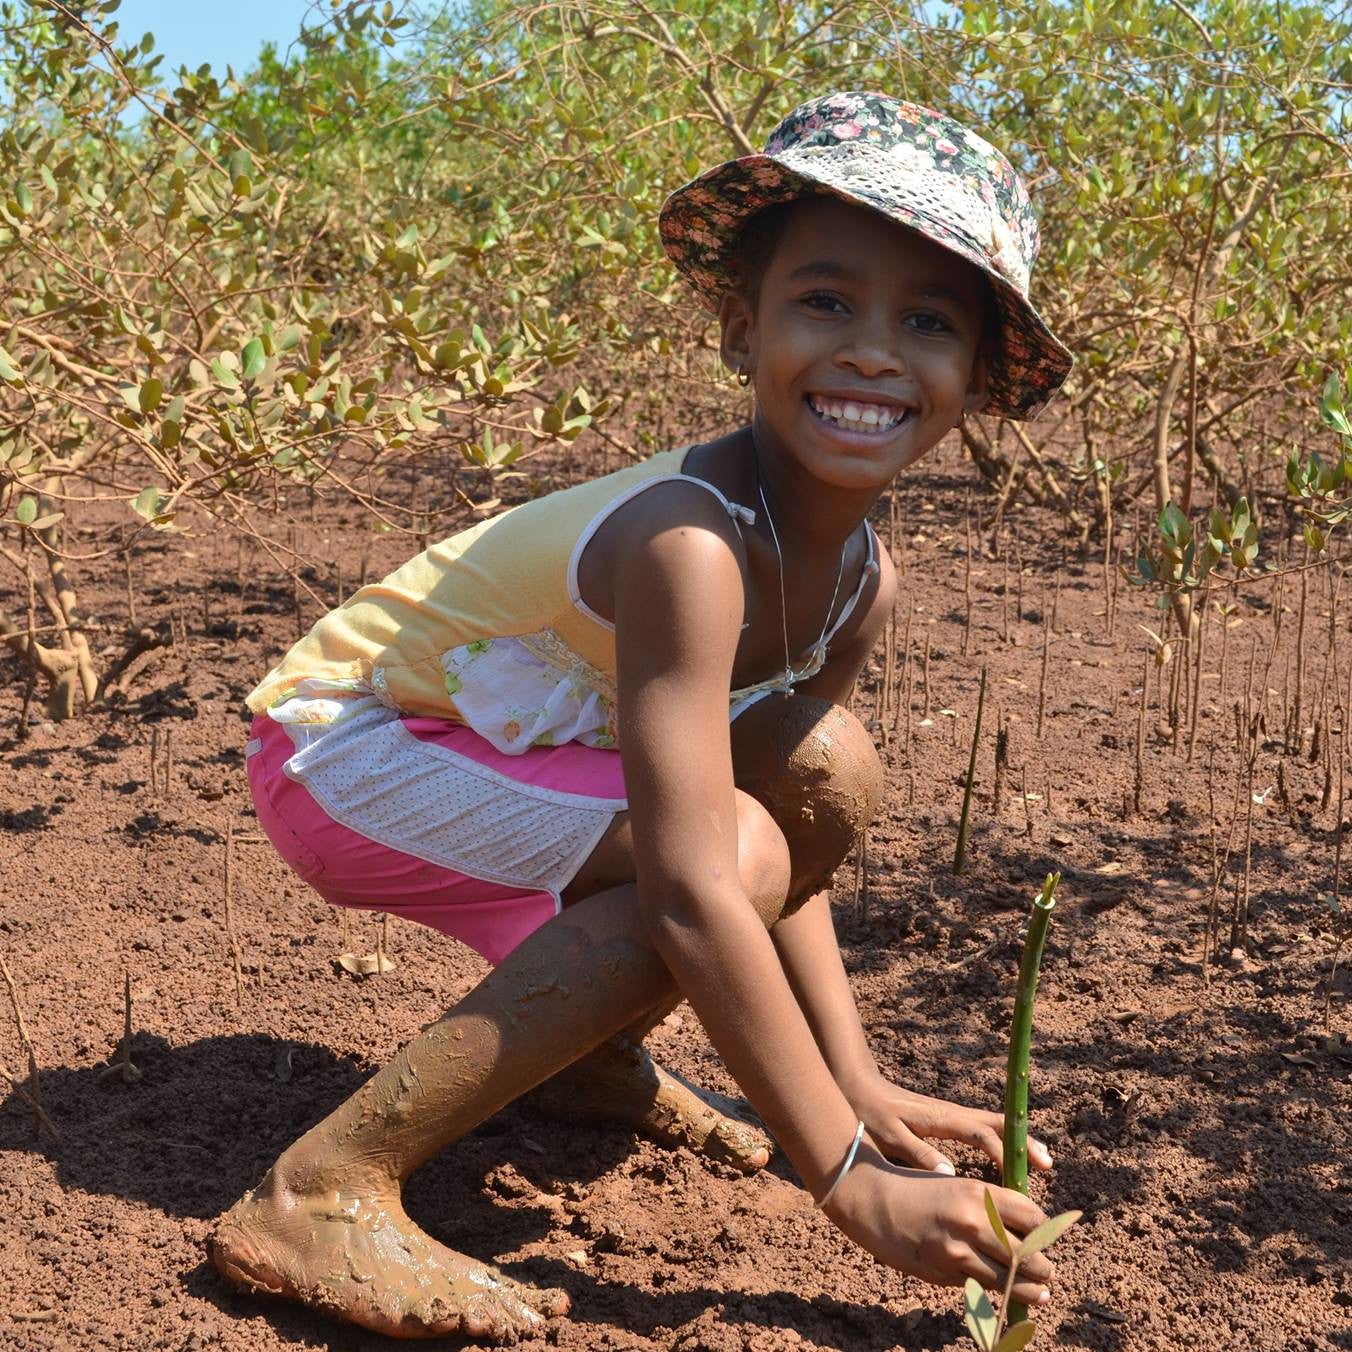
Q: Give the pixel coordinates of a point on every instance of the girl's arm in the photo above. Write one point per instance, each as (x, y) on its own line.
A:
(806, 942)
(678, 608)
(678, 602)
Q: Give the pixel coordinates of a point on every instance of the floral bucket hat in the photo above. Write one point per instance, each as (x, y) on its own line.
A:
(918, 168)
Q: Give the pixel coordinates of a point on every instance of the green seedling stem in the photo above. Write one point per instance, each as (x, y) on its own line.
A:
(1020, 1035)
(960, 853)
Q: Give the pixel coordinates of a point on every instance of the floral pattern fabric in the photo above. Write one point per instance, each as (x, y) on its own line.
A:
(529, 690)
(917, 167)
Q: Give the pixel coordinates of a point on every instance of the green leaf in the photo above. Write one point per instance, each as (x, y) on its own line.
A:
(1331, 407)
(24, 198)
(147, 503)
(225, 377)
(149, 396)
(253, 359)
(996, 1223)
(980, 1317)
(1174, 525)
(27, 511)
(1016, 1336)
(8, 370)
(1046, 1234)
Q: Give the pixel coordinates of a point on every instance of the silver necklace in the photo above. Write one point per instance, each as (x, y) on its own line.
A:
(789, 675)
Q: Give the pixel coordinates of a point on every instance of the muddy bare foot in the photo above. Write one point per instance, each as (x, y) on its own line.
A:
(360, 1258)
(619, 1083)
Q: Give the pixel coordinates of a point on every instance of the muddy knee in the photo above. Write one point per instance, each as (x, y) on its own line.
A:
(813, 767)
(763, 860)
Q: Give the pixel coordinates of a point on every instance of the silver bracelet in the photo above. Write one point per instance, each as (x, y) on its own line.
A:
(844, 1168)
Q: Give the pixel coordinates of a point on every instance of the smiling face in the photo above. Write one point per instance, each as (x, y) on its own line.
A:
(864, 341)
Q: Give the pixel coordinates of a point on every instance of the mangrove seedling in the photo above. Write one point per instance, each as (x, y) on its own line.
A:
(993, 1331)
(1016, 1077)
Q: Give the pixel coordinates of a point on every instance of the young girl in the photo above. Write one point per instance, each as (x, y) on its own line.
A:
(522, 738)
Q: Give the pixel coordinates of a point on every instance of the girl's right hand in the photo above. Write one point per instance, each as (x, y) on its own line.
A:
(935, 1227)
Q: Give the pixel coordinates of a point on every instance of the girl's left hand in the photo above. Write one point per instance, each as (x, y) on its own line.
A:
(897, 1119)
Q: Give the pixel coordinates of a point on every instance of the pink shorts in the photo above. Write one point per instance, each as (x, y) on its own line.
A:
(424, 819)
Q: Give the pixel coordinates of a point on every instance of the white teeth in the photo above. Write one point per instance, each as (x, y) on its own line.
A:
(858, 415)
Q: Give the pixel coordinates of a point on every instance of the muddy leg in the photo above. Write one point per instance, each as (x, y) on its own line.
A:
(815, 770)
(326, 1225)
(620, 1084)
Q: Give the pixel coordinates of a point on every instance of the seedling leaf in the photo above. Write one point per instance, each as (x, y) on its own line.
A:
(980, 1317)
(1017, 1336)
(1046, 1234)
(996, 1223)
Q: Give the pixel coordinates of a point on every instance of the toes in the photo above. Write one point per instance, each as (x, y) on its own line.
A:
(501, 1311)
(495, 1316)
(549, 1301)
(737, 1144)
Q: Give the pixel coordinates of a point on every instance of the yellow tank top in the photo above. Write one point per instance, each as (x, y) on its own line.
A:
(488, 628)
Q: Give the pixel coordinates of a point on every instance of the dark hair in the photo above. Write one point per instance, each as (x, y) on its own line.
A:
(760, 236)
(756, 246)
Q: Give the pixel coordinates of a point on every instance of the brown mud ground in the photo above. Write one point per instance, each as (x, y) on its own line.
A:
(1204, 1131)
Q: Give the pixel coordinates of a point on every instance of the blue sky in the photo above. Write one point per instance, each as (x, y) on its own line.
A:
(222, 32)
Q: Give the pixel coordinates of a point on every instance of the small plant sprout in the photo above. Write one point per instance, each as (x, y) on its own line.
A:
(1016, 1077)
(1009, 1329)
(960, 852)
(992, 1331)
(122, 1065)
(1182, 558)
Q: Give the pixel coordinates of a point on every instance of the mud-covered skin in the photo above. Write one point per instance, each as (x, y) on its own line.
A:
(810, 764)
(326, 1226)
(620, 1084)
(324, 1249)
(814, 768)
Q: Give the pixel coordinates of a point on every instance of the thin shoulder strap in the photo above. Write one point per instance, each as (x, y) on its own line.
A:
(867, 571)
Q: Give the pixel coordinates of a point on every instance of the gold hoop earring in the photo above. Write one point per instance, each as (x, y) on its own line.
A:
(743, 377)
